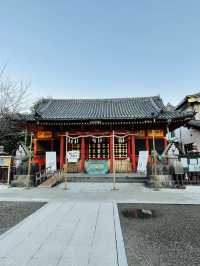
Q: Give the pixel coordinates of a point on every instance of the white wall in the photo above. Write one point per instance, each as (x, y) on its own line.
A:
(197, 110)
(187, 136)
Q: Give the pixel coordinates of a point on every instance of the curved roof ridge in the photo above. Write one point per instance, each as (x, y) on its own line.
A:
(157, 108)
(107, 99)
(43, 108)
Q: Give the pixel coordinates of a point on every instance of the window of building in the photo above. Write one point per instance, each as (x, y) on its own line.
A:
(98, 148)
(121, 145)
(74, 144)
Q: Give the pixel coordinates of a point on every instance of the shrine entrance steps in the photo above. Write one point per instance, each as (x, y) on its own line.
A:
(107, 178)
(53, 180)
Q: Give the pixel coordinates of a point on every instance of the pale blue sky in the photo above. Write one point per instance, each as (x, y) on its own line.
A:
(104, 48)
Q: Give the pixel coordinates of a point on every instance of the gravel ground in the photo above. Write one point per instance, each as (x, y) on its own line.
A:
(11, 213)
(169, 239)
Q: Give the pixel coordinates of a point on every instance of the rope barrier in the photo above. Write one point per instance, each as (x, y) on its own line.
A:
(98, 137)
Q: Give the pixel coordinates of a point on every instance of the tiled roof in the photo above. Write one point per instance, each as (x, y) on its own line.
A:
(185, 99)
(110, 109)
(194, 124)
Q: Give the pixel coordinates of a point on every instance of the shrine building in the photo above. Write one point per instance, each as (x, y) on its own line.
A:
(101, 129)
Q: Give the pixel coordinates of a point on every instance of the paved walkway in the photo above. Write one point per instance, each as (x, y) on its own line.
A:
(77, 227)
(63, 233)
(101, 192)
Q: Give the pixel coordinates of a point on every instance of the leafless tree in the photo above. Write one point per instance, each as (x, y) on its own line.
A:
(13, 100)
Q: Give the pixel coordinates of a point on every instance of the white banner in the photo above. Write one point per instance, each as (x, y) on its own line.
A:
(142, 161)
(51, 161)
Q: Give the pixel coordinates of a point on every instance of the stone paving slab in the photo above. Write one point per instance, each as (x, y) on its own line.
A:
(77, 227)
(65, 233)
(101, 192)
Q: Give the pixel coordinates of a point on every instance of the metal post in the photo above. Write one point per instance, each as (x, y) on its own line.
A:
(113, 152)
(29, 160)
(66, 162)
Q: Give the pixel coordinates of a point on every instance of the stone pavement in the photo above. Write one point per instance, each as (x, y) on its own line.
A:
(63, 233)
(101, 192)
(77, 227)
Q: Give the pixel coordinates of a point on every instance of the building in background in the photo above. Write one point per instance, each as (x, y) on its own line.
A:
(88, 126)
(189, 134)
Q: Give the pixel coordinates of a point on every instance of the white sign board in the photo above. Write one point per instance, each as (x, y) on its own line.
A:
(193, 161)
(184, 162)
(194, 168)
(73, 156)
(194, 165)
(51, 160)
(142, 161)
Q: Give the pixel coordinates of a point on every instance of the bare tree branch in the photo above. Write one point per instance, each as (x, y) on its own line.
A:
(14, 99)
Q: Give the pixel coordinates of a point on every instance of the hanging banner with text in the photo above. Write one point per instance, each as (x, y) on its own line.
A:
(142, 161)
(73, 156)
(51, 161)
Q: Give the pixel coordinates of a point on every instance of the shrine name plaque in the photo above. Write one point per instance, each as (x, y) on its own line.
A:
(155, 133)
(44, 134)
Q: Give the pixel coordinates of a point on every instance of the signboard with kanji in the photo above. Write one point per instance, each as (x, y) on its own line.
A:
(142, 161)
(44, 134)
(5, 161)
(140, 133)
(155, 133)
(73, 156)
(51, 161)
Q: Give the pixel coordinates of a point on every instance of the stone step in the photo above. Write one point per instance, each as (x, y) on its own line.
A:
(126, 175)
(108, 179)
(46, 184)
(52, 181)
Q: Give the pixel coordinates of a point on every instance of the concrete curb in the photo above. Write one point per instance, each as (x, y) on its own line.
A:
(121, 253)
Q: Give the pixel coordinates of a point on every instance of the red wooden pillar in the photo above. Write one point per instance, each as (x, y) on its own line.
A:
(82, 165)
(61, 151)
(111, 152)
(128, 147)
(147, 144)
(34, 149)
(86, 149)
(147, 147)
(133, 153)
